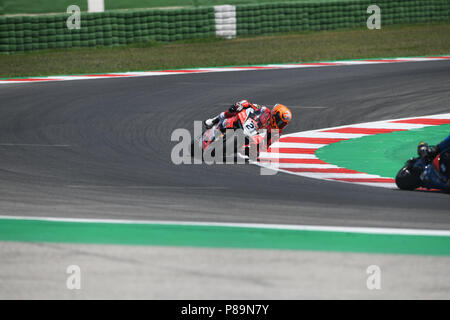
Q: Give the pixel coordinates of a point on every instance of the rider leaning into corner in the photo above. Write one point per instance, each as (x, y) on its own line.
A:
(427, 177)
(442, 148)
(276, 119)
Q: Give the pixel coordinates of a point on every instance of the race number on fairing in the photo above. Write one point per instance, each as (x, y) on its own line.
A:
(250, 128)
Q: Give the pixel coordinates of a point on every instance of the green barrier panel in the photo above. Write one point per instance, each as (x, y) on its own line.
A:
(252, 18)
(25, 33)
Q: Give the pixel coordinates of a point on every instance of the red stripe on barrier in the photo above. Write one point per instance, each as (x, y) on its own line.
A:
(435, 122)
(182, 71)
(311, 140)
(380, 180)
(293, 150)
(32, 79)
(105, 75)
(322, 170)
(362, 130)
(319, 64)
(258, 67)
(289, 160)
(386, 60)
(444, 57)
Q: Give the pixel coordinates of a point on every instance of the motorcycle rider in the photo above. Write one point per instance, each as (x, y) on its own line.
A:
(419, 172)
(430, 152)
(277, 118)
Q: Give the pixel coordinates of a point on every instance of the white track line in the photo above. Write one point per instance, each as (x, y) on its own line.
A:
(296, 145)
(392, 231)
(304, 165)
(275, 155)
(388, 125)
(319, 134)
(328, 176)
(375, 184)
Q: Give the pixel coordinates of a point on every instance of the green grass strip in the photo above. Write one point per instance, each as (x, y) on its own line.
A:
(219, 237)
(390, 41)
(381, 154)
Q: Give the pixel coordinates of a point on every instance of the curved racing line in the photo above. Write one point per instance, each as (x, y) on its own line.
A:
(132, 74)
(295, 153)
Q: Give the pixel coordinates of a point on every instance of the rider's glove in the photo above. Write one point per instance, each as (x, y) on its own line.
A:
(232, 109)
(238, 106)
(433, 151)
(426, 152)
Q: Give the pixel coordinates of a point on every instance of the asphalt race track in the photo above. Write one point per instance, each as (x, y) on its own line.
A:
(101, 148)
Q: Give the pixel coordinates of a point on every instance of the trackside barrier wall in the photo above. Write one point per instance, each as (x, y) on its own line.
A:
(298, 16)
(112, 28)
(25, 33)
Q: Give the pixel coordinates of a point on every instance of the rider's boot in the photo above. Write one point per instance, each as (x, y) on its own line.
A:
(210, 122)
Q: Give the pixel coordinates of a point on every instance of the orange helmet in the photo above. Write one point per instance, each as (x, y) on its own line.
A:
(281, 116)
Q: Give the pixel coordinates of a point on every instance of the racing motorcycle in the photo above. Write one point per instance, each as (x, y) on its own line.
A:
(423, 172)
(247, 129)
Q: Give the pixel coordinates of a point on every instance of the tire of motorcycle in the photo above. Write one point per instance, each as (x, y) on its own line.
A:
(194, 146)
(407, 180)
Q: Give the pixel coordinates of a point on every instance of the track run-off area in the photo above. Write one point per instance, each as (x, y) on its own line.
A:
(298, 153)
(85, 168)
